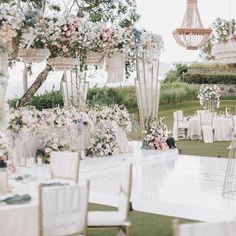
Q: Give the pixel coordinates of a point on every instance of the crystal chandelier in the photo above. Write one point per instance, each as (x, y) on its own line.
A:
(191, 34)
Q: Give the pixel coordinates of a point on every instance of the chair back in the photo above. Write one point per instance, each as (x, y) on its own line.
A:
(178, 116)
(63, 209)
(206, 229)
(199, 112)
(234, 123)
(125, 190)
(65, 165)
(206, 118)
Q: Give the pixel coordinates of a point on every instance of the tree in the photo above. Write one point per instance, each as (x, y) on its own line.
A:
(176, 74)
(222, 29)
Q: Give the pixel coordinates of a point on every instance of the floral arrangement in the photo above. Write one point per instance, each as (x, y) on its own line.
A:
(72, 36)
(59, 127)
(4, 153)
(111, 39)
(116, 114)
(62, 36)
(104, 143)
(209, 96)
(11, 21)
(156, 134)
(4, 145)
(24, 120)
(53, 142)
(146, 40)
(122, 117)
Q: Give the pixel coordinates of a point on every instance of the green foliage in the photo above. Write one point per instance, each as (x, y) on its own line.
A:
(176, 74)
(108, 96)
(44, 101)
(47, 100)
(172, 93)
(209, 66)
(222, 29)
(210, 78)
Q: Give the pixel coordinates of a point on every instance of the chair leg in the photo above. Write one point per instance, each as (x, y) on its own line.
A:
(123, 231)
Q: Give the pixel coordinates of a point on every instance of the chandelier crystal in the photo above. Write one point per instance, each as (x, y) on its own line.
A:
(191, 33)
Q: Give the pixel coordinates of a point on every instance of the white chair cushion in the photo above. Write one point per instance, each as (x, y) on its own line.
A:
(182, 125)
(106, 218)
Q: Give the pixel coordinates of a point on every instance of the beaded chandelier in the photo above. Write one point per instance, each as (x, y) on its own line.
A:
(191, 33)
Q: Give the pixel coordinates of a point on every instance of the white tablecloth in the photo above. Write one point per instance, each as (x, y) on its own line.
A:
(22, 220)
(222, 128)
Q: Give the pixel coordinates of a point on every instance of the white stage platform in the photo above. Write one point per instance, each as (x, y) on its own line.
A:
(164, 183)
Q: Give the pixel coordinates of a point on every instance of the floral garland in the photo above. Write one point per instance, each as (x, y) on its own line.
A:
(209, 94)
(71, 36)
(155, 135)
(58, 126)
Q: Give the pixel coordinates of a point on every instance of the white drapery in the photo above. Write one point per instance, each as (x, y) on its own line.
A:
(116, 68)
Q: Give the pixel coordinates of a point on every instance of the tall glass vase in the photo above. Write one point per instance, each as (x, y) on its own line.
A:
(3, 76)
(74, 87)
(147, 85)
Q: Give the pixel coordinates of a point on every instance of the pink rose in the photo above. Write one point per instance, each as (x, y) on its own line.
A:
(64, 49)
(68, 33)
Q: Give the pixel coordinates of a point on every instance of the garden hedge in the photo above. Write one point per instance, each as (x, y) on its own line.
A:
(209, 78)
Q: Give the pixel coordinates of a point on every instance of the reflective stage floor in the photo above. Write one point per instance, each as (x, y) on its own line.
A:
(164, 183)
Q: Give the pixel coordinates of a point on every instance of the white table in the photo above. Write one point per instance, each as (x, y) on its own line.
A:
(223, 127)
(22, 219)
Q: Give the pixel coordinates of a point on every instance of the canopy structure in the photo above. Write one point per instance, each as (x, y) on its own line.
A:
(225, 53)
(191, 33)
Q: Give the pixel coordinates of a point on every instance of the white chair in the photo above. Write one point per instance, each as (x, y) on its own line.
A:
(179, 127)
(65, 165)
(63, 209)
(116, 219)
(199, 112)
(206, 122)
(234, 123)
(206, 229)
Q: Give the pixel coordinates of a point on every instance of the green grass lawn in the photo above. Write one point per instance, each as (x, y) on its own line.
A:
(143, 224)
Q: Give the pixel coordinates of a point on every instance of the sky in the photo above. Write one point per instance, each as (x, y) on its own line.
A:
(159, 16)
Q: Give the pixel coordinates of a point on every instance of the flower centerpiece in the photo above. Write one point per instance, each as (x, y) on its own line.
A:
(156, 134)
(209, 96)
